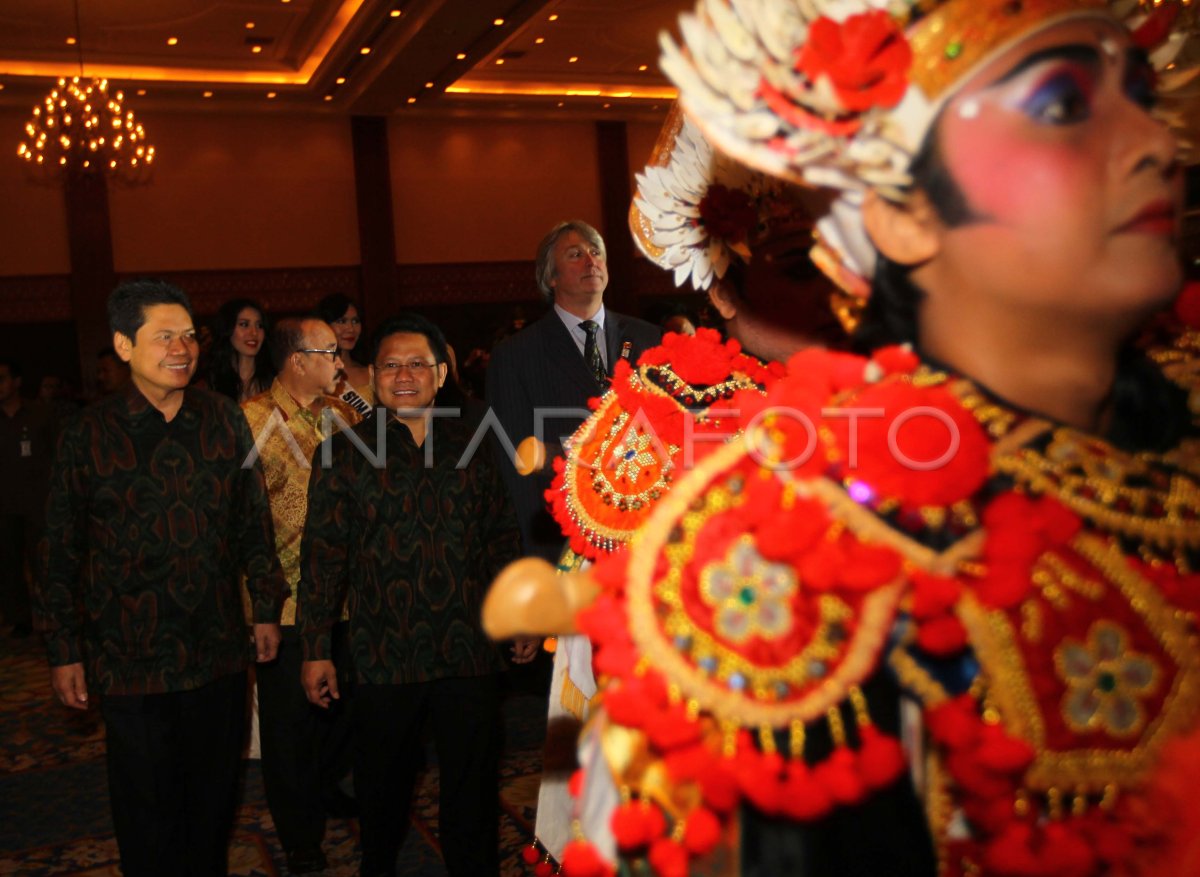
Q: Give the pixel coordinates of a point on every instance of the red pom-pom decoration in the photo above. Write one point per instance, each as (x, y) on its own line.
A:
(636, 823)
(880, 758)
(668, 859)
(702, 831)
(580, 859)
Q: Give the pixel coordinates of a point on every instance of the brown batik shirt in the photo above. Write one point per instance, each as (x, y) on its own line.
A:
(412, 547)
(150, 525)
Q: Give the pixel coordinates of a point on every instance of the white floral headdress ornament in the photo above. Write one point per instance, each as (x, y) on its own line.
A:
(697, 210)
(840, 93)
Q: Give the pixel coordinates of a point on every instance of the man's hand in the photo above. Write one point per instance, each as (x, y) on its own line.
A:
(69, 685)
(319, 679)
(525, 649)
(266, 641)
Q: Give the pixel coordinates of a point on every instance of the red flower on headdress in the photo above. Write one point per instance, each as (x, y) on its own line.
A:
(727, 213)
(865, 58)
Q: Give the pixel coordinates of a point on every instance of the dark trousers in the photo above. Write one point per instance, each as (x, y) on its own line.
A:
(464, 718)
(173, 762)
(18, 543)
(305, 749)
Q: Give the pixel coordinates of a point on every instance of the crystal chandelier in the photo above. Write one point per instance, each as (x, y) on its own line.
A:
(81, 127)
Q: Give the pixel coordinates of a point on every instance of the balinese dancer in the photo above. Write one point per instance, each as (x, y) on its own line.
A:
(937, 612)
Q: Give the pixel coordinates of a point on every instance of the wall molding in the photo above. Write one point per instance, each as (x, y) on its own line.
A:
(47, 298)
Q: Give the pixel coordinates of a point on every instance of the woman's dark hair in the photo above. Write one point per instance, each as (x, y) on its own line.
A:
(223, 374)
(333, 307)
(891, 313)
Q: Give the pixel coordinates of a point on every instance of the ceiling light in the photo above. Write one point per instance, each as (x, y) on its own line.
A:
(643, 68)
(141, 91)
(395, 13)
(560, 103)
(572, 59)
(499, 61)
(540, 40)
(270, 95)
(329, 97)
(341, 80)
(256, 49)
(365, 50)
(208, 94)
(462, 56)
(249, 25)
(70, 41)
(171, 41)
(429, 85)
(606, 106)
(82, 128)
(498, 21)
(412, 100)
(553, 17)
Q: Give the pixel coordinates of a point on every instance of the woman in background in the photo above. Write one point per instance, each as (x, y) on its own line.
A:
(340, 312)
(240, 365)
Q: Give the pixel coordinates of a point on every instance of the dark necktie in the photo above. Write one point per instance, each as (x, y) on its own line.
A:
(591, 351)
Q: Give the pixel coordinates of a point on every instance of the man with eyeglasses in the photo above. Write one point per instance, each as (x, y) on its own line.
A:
(153, 521)
(305, 752)
(409, 524)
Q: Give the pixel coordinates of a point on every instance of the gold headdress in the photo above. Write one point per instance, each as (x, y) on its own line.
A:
(840, 93)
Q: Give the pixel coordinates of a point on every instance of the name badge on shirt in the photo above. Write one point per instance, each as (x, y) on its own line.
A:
(626, 349)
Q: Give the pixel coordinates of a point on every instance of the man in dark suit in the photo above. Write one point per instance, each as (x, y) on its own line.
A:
(554, 365)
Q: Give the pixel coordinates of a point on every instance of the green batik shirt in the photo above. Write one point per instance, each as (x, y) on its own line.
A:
(412, 547)
(150, 526)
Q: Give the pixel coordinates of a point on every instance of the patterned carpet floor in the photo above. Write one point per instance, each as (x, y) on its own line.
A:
(54, 816)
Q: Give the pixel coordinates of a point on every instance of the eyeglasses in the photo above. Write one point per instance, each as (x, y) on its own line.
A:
(416, 367)
(332, 354)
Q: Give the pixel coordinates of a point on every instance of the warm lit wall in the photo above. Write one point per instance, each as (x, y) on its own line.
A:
(33, 217)
(480, 191)
(277, 191)
(240, 191)
(640, 138)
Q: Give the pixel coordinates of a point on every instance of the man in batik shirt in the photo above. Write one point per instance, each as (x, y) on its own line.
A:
(304, 751)
(152, 522)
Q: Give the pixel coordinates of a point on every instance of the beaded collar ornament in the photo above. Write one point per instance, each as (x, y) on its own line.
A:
(840, 93)
(642, 434)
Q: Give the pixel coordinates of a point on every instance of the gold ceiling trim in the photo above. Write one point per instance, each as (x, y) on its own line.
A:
(492, 87)
(302, 76)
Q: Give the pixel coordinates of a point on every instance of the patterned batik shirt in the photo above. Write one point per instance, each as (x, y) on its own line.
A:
(286, 436)
(413, 547)
(150, 525)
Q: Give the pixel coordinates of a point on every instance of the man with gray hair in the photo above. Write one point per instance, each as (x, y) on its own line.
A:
(556, 364)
